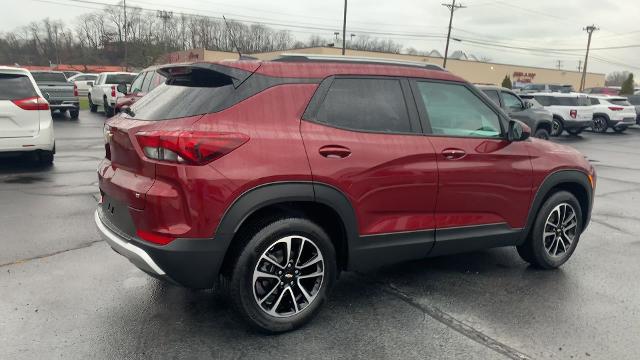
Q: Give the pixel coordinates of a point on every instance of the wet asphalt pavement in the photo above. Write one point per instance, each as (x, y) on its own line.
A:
(65, 294)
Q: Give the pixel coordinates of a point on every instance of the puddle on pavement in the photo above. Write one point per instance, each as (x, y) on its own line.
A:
(29, 179)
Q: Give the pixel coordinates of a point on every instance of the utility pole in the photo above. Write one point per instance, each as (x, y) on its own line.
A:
(165, 16)
(126, 66)
(589, 29)
(452, 7)
(344, 28)
(559, 64)
(579, 65)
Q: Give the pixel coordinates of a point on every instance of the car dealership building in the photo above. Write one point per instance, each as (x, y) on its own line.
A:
(474, 71)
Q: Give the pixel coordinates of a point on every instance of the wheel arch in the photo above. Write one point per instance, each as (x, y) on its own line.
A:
(573, 181)
(601, 114)
(321, 203)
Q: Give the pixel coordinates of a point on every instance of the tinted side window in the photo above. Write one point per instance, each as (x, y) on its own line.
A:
(147, 81)
(456, 111)
(158, 79)
(511, 101)
(15, 87)
(365, 104)
(544, 100)
(595, 101)
(493, 95)
(136, 86)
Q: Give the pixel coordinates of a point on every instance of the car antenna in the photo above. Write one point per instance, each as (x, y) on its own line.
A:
(235, 43)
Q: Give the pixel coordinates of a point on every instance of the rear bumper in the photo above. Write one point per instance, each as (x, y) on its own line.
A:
(627, 121)
(65, 105)
(192, 263)
(43, 141)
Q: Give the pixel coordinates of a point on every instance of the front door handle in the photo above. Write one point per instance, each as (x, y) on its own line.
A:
(334, 151)
(453, 154)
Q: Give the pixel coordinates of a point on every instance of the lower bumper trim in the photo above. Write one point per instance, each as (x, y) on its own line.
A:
(135, 254)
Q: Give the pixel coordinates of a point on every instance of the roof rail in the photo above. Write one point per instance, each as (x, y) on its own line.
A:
(293, 57)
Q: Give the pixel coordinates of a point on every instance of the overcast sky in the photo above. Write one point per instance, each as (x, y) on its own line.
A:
(547, 25)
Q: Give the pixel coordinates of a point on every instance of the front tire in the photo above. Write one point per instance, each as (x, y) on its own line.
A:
(600, 124)
(556, 127)
(283, 275)
(92, 107)
(542, 134)
(45, 158)
(556, 232)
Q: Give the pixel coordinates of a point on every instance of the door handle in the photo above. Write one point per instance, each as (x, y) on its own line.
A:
(453, 154)
(334, 151)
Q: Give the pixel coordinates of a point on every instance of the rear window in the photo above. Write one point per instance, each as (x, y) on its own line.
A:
(48, 77)
(635, 100)
(15, 87)
(561, 88)
(620, 102)
(536, 87)
(197, 93)
(119, 78)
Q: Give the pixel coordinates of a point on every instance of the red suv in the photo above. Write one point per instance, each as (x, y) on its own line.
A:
(275, 176)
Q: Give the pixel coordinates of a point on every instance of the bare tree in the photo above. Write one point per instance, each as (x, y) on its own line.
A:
(616, 78)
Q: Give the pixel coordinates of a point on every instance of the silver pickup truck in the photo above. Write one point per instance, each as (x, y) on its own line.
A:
(58, 92)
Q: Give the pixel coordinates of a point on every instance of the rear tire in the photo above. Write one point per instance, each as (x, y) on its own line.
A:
(74, 114)
(45, 157)
(108, 110)
(283, 292)
(575, 132)
(92, 107)
(556, 127)
(600, 125)
(556, 232)
(620, 129)
(542, 134)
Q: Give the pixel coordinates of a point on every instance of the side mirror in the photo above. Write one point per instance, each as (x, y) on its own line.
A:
(90, 83)
(518, 131)
(122, 88)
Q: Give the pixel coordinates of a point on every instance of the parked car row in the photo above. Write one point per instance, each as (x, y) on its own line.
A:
(552, 113)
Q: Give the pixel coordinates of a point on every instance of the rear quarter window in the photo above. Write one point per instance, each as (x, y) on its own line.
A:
(16, 87)
(620, 102)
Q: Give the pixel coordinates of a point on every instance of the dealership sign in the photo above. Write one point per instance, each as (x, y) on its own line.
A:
(523, 77)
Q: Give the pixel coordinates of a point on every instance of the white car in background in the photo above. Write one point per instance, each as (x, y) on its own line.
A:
(572, 112)
(26, 125)
(81, 82)
(104, 91)
(614, 112)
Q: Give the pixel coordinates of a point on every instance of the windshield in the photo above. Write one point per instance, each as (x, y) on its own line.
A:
(48, 77)
(120, 78)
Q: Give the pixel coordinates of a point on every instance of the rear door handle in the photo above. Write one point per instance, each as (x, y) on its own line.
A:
(334, 151)
(453, 154)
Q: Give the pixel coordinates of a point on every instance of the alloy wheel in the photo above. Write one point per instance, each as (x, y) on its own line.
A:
(288, 276)
(599, 124)
(555, 128)
(560, 230)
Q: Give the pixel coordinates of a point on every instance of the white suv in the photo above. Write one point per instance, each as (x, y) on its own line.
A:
(571, 111)
(612, 112)
(25, 117)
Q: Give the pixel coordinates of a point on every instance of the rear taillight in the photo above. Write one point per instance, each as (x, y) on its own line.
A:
(32, 103)
(616, 108)
(113, 91)
(75, 90)
(154, 238)
(573, 113)
(106, 131)
(188, 147)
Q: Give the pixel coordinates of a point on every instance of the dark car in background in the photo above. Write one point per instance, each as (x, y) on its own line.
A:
(58, 92)
(635, 101)
(147, 80)
(537, 118)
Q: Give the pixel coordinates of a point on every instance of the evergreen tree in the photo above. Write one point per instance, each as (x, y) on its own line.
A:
(506, 83)
(628, 86)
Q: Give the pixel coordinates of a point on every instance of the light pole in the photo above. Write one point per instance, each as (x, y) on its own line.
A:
(452, 7)
(344, 28)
